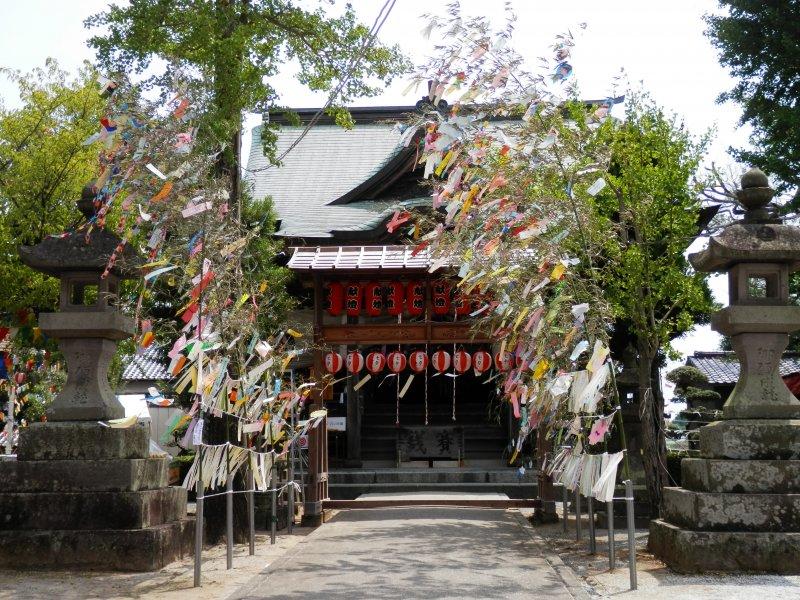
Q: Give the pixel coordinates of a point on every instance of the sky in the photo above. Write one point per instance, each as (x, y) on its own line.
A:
(660, 46)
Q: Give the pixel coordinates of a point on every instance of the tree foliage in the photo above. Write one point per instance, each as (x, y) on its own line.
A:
(43, 167)
(759, 42)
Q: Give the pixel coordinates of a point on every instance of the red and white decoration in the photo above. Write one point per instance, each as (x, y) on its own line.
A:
(441, 360)
(503, 361)
(396, 361)
(333, 362)
(462, 361)
(418, 361)
(481, 361)
(376, 362)
(354, 362)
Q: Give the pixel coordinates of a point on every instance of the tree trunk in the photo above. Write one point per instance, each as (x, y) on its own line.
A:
(654, 451)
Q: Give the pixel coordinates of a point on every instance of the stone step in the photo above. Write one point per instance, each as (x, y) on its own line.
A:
(415, 476)
(84, 475)
(82, 440)
(689, 551)
(148, 549)
(351, 491)
(741, 476)
(92, 510)
(708, 511)
(763, 439)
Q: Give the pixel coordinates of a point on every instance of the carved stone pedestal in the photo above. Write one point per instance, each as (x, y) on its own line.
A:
(84, 496)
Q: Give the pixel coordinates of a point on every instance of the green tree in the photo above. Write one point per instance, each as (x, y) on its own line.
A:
(233, 47)
(651, 201)
(44, 164)
(759, 42)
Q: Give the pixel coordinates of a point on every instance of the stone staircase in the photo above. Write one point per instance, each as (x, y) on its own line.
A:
(348, 484)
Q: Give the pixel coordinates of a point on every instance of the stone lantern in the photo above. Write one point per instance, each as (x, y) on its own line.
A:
(82, 494)
(88, 325)
(739, 507)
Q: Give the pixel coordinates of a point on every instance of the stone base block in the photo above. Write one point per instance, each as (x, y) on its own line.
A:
(751, 439)
(91, 510)
(84, 475)
(79, 440)
(741, 476)
(723, 551)
(706, 511)
(148, 549)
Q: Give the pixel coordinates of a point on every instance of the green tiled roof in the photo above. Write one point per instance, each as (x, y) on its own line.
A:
(328, 163)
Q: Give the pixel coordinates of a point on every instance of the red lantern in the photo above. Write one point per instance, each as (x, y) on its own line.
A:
(334, 298)
(415, 298)
(333, 362)
(395, 295)
(462, 303)
(441, 360)
(373, 298)
(355, 361)
(462, 361)
(418, 361)
(503, 361)
(440, 293)
(481, 361)
(19, 378)
(352, 299)
(375, 362)
(396, 361)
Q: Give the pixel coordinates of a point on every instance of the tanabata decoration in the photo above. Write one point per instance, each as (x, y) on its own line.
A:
(462, 303)
(354, 362)
(396, 361)
(415, 298)
(418, 361)
(395, 298)
(354, 294)
(441, 360)
(333, 362)
(376, 362)
(481, 361)
(462, 361)
(373, 298)
(334, 298)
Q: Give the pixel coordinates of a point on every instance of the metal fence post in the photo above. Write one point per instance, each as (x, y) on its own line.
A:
(198, 533)
(578, 514)
(564, 505)
(631, 533)
(229, 522)
(592, 541)
(274, 524)
(290, 477)
(611, 548)
(251, 511)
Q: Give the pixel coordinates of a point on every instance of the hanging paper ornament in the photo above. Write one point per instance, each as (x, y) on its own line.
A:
(415, 298)
(334, 298)
(373, 298)
(396, 361)
(395, 295)
(353, 297)
(418, 361)
(333, 362)
(355, 361)
(519, 362)
(462, 303)
(462, 361)
(441, 296)
(481, 361)
(376, 361)
(19, 378)
(441, 360)
(503, 361)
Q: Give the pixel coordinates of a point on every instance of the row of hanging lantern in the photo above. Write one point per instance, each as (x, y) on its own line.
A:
(395, 298)
(417, 361)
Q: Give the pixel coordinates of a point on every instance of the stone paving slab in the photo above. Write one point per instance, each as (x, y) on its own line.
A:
(417, 553)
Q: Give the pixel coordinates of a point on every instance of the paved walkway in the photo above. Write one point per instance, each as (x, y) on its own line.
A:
(418, 552)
